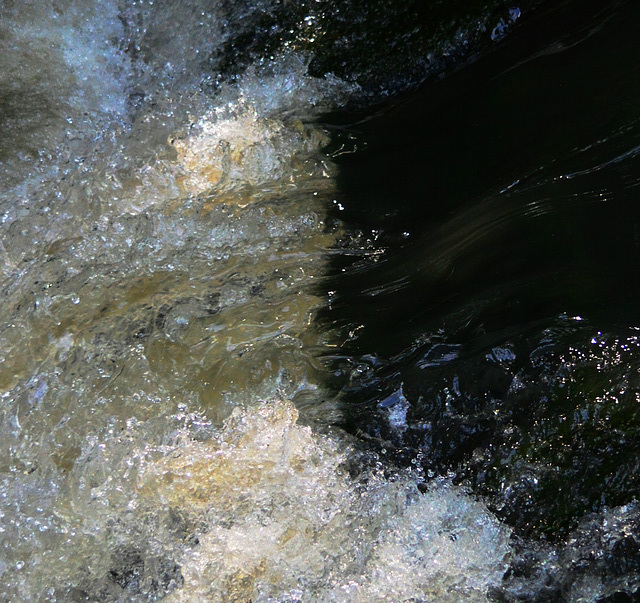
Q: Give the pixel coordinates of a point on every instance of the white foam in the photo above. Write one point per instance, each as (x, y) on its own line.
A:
(282, 519)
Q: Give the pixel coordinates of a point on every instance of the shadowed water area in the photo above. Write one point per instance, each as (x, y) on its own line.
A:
(323, 301)
(491, 325)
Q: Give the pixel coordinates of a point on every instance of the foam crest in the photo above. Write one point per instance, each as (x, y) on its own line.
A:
(243, 149)
(260, 509)
(260, 131)
(283, 520)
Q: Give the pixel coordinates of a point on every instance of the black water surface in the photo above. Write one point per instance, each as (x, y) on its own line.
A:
(492, 284)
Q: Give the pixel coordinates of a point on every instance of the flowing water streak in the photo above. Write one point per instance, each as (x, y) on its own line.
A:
(507, 265)
(158, 246)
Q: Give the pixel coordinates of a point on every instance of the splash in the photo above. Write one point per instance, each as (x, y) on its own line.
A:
(161, 235)
(269, 511)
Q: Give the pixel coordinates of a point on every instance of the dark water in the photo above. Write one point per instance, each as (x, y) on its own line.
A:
(491, 321)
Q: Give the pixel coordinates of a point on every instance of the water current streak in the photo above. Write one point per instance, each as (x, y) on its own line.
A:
(496, 325)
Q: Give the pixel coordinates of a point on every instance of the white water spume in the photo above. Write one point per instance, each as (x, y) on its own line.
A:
(158, 252)
(288, 523)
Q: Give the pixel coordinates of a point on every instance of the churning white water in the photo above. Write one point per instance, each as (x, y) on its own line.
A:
(161, 234)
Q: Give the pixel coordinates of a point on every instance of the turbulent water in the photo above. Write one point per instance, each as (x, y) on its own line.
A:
(211, 387)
